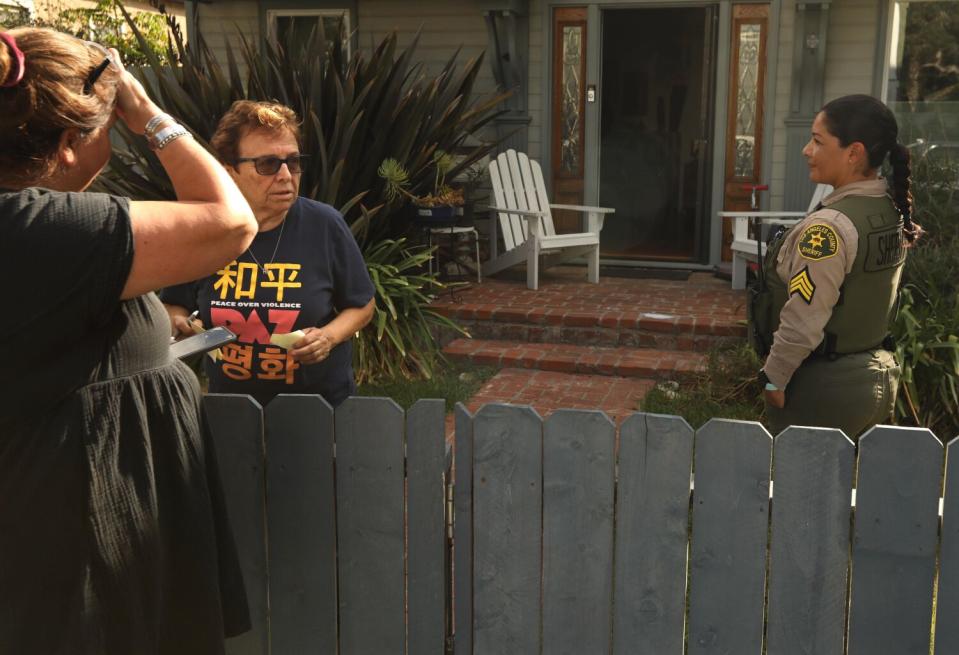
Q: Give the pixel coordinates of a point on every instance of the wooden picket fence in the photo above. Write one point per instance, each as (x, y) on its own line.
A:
(570, 536)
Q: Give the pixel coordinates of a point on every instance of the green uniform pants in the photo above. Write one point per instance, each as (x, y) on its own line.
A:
(852, 393)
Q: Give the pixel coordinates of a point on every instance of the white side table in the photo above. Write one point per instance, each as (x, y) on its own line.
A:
(454, 232)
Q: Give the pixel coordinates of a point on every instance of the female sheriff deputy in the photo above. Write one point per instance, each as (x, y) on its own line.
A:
(832, 280)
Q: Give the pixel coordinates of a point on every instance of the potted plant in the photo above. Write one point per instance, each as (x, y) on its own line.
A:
(442, 205)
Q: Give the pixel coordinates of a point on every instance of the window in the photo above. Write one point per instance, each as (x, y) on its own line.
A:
(922, 85)
(293, 26)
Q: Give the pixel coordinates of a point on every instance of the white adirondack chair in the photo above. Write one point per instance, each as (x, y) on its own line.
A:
(745, 249)
(523, 212)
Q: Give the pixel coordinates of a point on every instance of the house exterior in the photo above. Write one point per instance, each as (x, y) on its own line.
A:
(666, 111)
(47, 9)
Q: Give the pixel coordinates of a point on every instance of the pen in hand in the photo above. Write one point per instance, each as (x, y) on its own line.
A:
(189, 321)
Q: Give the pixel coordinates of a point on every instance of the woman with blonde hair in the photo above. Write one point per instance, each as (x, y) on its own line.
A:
(113, 536)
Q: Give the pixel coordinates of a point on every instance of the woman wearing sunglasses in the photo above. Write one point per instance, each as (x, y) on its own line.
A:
(303, 271)
(113, 536)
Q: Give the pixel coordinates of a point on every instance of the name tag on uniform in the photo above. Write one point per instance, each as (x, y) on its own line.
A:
(885, 249)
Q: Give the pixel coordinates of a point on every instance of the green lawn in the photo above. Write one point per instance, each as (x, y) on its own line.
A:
(453, 382)
(728, 388)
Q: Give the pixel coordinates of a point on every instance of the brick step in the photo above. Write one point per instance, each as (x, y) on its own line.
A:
(568, 358)
(602, 328)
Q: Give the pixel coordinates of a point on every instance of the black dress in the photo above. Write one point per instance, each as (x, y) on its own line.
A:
(113, 531)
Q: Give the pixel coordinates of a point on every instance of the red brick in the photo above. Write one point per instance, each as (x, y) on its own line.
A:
(512, 332)
(512, 358)
(561, 363)
(460, 346)
(555, 316)
(636, 369)
(630, 319)
(581, 319)
(486, 358)
(537, 315)
(484, 312)
(610, 319)
(686, 343)
(647, 340)
(686, 323)
(508, 314)
(657, 324)
(536, 334)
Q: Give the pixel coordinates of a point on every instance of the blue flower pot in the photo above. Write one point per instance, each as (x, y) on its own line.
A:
(440, 214)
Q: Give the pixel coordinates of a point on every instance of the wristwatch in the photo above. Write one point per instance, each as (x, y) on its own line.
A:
(764, 380)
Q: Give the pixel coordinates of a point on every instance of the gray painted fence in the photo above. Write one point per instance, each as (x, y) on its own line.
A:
(573, 537)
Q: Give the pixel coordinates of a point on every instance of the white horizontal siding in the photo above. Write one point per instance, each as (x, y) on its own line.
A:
(781, 67)
(850, 62)
(851, 47)
(222, 21)
(537, 94)
(443, 27)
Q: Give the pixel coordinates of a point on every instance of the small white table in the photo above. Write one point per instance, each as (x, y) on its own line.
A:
(454, 232)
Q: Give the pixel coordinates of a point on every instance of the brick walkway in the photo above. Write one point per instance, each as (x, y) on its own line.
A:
(564, 293)
(570, 358)
(579, 345)
(547, 391)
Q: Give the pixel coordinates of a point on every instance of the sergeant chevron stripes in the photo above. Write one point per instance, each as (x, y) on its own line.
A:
(802, 284)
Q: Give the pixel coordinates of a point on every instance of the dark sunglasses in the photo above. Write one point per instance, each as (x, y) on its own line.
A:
(270, 164)
(98, 71)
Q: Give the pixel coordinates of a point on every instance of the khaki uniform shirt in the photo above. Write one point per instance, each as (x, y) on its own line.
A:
(802, 323)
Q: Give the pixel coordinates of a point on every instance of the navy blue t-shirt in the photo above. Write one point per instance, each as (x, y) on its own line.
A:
(318, 270)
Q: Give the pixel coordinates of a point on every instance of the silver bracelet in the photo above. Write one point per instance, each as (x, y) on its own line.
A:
(155, 122)
(168, 134)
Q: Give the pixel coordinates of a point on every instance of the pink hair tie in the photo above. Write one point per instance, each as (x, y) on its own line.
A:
(16, 73)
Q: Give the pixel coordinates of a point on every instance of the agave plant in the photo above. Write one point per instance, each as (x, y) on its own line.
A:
(357, 112)
(397, 180)
(398, 346)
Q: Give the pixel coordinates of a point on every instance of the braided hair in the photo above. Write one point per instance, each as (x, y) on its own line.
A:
(865, 119)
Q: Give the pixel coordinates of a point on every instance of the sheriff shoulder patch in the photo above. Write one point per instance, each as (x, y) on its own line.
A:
(818, 242)
(802, 284)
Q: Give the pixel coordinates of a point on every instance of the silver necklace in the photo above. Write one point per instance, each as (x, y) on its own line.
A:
(260, 266)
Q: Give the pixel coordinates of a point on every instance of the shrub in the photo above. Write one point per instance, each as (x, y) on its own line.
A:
(927, 326)
(104, 23)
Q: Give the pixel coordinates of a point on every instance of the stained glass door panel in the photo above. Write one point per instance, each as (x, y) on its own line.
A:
(569, 107)
(744, 128)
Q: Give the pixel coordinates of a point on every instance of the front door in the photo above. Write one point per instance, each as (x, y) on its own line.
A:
(655, 132)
